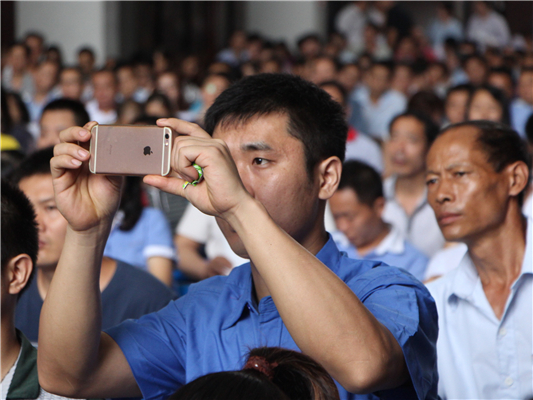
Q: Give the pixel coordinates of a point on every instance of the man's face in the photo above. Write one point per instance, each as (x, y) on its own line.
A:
(71, 84)
(525, 87)
(52, 123)
(358, 221)
(484, 106)
(104, 89)
(407, 146)
(272, 166)
(502, 82)
(476, 71)
(455, 106)
(468, 196)
(46, 76)
(379, 79)
(52, 225)
(127, 82)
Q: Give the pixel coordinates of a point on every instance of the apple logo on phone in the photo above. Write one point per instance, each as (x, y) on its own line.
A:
(147, 151)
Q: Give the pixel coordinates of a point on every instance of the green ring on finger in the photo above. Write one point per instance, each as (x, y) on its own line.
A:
(200, 176)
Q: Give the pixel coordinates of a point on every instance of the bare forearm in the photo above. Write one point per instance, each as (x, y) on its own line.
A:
(323, 315)
(70, 324)
(190, 261)
(161, 268)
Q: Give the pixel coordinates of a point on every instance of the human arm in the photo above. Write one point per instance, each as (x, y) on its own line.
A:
(323, 315)
(75, 359)
(161, 268)
(193, 264)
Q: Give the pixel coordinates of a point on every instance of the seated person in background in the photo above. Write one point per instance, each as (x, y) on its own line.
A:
(196, 230)
(357, 207)
(127, 292)
(103, 107)
(358, 145)
(57, 116)
(71, 83)
(269, 373)
(158, 105)
(488, 103)
(20, 245)
(457, 99)
(406, 205)
(141, 235)
(477, 175)
(268, 170)
(522, 106)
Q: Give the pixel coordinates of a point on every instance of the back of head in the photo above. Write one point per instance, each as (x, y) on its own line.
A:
(19, 228)
(230, 385)
(37, 163)
(76, 107)
(296, 374)
(314, 118)
(364, 180)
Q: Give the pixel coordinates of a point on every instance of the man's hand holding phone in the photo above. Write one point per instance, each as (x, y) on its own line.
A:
(85, 199)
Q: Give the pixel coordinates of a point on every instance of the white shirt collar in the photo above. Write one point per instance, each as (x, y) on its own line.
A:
(392, 243)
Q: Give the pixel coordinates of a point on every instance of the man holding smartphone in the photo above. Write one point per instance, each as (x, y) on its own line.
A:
(270, 162)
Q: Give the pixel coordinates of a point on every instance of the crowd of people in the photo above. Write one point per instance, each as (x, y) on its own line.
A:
(365, 200)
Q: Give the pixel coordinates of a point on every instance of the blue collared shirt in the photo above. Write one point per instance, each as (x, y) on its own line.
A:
(217, 323)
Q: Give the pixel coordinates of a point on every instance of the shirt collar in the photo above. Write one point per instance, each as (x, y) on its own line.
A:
(392, 243)
(25, 382)
(239, 283)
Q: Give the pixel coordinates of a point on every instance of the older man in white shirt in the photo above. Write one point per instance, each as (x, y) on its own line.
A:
(477, 177)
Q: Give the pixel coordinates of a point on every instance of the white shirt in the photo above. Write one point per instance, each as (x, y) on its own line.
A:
(362, 148)
(445, 260)
(479, 356)
(203, 228)
(379, 115)
(420, 228)
(95, 114)
(491, 30)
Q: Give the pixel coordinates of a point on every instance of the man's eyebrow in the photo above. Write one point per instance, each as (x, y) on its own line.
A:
(46, 200)
(256, 146)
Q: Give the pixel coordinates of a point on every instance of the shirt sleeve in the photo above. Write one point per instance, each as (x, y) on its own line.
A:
(154, 346)
(407, 309)
(159, 236)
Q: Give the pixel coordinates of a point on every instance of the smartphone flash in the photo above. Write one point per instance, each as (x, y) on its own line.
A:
(166, 143)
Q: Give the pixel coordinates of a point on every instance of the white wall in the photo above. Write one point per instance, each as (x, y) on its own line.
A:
(70, 25)
(285, 20)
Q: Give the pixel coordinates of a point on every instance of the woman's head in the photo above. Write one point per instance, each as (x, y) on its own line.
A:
(488, 103)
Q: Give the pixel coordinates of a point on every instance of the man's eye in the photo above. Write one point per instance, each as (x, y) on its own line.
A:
(259, 161)
(460, 173)
(431, 181)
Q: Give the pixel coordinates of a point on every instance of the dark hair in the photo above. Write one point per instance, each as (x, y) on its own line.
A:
(502, 145)
(145, 120)
(87, 50)
(20, 234)
(502, 70)
(431, 130)
(37, 163)
(81, 116)
(448, 6)
(498, 95)
(24, 113)
(26, 48)
(364, 180)
(529, 129)
(314, 117)
(131, 202)
(269, 373)
(467, 87)
(309, 36)
(161, 98)
(389, 65)
(336, 85)
(426, 102)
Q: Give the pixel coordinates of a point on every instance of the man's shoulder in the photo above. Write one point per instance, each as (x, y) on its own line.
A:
(442, 287)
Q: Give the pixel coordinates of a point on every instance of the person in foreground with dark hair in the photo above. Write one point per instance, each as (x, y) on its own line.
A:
(269, 167)
(477, 175)
(269, 373)
(357, 207)
(20, 245)
(127, 292)
(57, 116)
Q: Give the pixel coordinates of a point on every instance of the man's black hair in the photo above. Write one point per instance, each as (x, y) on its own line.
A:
(467, 87)
(426, 102)
(364, 180)
(81, 117)
(431, 130)
(529, 129)
(309, 36)
(314, 117)
(502, 145)
(87, 50)
(20, 234)
(336, 85)
(502, 70)
(37, 163)
(389, 65)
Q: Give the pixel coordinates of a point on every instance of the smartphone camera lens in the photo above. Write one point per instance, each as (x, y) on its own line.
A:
(166, 136)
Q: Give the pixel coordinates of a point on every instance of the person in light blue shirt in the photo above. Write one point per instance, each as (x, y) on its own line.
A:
(274, 158)
(478, 175)
(522, 107)
(357, 206)
(443, 27)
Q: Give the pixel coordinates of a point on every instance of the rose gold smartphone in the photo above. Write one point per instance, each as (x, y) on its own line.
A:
(131, 150)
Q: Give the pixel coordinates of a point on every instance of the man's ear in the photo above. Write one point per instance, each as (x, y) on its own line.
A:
(20, 269)
(329, 172)
(518, 177)
(379, 206)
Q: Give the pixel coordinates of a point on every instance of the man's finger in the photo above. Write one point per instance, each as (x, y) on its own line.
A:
(172, 185)
(74, 134)
(183, 127)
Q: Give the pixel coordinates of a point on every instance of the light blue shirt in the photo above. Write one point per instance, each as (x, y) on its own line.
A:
(150, 237)
(393, 250)
(520, 113)
(479, 356)
(218, 322)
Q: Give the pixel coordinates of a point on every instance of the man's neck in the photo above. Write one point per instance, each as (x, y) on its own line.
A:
(375, 96)
(381, 233)
(45, 275)
(409, 190)
(10, 345)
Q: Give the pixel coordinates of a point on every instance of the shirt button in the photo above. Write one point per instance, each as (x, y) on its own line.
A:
(503, 332)
(509, 381)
